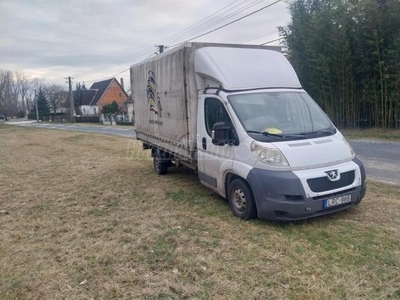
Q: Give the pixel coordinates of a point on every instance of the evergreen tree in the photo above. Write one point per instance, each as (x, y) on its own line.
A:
(77, 94)
(110, 108)
(347, 56)
(42, 103)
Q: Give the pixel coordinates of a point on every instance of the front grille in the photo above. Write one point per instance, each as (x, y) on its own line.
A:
(322, 184)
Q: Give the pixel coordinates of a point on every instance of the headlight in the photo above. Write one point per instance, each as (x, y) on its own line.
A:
(269, 156)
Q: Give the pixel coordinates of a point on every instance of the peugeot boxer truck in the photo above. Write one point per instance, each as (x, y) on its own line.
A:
(239, 117)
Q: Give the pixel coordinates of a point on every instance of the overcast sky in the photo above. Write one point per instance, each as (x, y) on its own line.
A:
(93, 40)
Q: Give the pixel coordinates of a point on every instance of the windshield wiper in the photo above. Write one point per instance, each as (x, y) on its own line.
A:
(322, 132)
(277, 135)
(266, 133)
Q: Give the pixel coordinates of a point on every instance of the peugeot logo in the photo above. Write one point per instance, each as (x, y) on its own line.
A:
(333, 175)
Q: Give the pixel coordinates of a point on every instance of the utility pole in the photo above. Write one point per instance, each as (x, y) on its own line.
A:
(37, 109)
(71, 100)
(161, 48)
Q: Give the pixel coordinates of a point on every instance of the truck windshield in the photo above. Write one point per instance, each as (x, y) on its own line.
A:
(290, 115)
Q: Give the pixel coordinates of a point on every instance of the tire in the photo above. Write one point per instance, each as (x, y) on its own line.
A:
(160, 163)
(241, 199)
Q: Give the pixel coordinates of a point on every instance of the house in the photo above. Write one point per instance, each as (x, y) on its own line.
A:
(101, 93)
(86, 108)
(129, 110)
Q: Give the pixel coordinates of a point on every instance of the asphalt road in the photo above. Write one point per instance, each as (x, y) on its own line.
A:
(381, 159)
(124, 131)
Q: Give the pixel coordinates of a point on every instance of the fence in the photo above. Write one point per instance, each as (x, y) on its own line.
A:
(87, 119)
(124, 119)
(58, 117)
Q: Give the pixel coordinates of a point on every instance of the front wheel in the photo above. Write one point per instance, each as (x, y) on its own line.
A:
(160, 162)
(241, 199)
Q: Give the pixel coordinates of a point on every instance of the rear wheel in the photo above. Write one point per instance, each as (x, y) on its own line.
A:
(241, 199)
(160, 162)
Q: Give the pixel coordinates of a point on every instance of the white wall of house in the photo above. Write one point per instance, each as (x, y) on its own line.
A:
(131, 114)
(87, 110)
(129, 108)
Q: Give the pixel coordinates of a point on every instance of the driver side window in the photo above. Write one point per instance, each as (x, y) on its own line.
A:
(214, 112)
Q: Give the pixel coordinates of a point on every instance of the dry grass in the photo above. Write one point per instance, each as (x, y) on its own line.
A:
(79, 208)
(372, 133)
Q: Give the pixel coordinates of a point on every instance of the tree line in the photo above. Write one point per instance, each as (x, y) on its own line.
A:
(347, 56)
(18, 92)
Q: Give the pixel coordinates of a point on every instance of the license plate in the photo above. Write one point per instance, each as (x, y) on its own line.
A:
(337, 201)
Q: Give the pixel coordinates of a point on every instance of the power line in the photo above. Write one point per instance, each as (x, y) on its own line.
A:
(202, 20)
(136, 54)
(225, 25)
(217, 20)
(146, 50)
(234, 21)
(264, 35)
(269, 42)
(111, 76)
(108, 77)
(207, 22)
(199, 26)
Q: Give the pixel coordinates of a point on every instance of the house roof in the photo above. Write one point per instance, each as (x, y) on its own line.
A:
(101, 87)
(88, 96)
(93, 95)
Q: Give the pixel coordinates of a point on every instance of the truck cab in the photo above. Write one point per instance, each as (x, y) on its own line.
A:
(265, 144)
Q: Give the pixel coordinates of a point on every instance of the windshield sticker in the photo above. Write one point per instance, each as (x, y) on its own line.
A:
(273, 130)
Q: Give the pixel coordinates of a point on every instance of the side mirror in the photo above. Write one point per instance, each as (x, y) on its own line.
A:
(221, 134)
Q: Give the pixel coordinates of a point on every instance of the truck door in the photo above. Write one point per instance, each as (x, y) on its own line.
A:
(213, 160)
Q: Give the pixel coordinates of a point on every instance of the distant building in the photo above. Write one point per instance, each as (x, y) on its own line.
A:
(101, 93)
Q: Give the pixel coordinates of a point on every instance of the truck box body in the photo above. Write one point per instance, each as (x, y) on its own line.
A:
(165, 93)
(239, 116)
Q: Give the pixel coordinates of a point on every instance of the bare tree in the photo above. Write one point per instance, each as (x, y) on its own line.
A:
(56, 95)
(33, 85)
(22, 81)
(8, 94)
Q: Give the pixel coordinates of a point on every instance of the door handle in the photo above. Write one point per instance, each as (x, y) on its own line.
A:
(204, 143)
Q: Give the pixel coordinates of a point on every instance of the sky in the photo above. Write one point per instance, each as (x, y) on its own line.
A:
(92, 40)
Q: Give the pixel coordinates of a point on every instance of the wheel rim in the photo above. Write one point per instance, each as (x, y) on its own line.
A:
(239, 200)
(157, 163)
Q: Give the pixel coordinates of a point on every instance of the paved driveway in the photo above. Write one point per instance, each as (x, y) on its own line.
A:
(381, 159)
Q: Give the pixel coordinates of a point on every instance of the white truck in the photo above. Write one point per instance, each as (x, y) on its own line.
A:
(238, 116)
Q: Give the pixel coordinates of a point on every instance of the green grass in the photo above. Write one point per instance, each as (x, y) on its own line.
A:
(88, 209)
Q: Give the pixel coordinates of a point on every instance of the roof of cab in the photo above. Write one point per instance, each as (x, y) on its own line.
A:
(244, 68)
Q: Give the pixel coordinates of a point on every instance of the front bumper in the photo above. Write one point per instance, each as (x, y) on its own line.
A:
(284, 196)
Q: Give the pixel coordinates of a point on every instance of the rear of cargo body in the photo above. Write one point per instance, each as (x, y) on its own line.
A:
(165, 102)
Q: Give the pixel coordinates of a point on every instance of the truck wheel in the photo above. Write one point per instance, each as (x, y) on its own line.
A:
(241, 199)
(160, 162)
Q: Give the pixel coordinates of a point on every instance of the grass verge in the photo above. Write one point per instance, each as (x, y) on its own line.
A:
(372, 133)
(83, 216)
